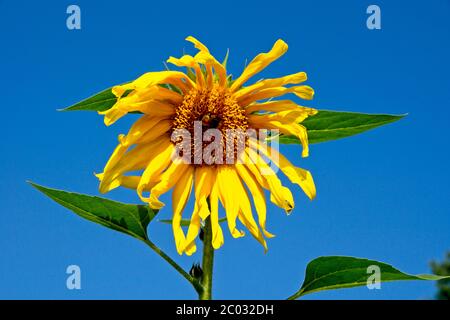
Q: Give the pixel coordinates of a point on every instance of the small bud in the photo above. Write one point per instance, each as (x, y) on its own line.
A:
(196, 271)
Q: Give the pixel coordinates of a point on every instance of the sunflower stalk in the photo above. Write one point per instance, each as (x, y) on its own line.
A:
(207, 262)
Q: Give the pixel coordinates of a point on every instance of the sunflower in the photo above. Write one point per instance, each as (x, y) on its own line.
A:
(206, 98)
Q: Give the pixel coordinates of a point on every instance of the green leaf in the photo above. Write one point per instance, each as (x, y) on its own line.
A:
(127, 218)
(191, 74)
(332, 125)
(337, 272)
(187, 222)
(225, 60)
(98, 102)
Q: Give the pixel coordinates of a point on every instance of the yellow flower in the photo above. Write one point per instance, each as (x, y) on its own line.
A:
(205, 96)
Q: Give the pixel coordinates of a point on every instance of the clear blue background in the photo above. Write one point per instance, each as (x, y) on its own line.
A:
(382, 195)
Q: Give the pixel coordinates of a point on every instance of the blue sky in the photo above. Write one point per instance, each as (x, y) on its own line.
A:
(381, 195)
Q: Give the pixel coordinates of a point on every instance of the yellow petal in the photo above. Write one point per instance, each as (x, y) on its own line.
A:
(189, 62)
(208, 60)
(270, 83)
(217, 233)
(279, 195)
(204, 180)
(245, 210)
(304, 92)
(180, 195)
(120, 163)
(257, 193)
(155, 108)
(149, 79)
(210, 76)
(184, 61)
(119, 90)
(134, 159)
(286, 117)
(161, 77)
(299, 131)
(280, 105)
(194, 228)
(244, 217)
(200, 46)
(163, 156)
(138, 129)
(292, 128)
(260, 62)
(132, 102)
(112, 115)
(130, 182)
(168, 179)
(299, 176)
(157, 132)
(117, 154)
(225, 180)
(162, 94)
(249, 161)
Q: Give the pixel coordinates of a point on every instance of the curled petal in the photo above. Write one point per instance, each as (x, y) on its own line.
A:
(304, 92)
(260, 62)
(270, 83)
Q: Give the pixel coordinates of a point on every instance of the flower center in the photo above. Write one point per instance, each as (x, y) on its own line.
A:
(211, 109)
(215, 108)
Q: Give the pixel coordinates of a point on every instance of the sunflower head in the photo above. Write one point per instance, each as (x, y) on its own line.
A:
(196, 136)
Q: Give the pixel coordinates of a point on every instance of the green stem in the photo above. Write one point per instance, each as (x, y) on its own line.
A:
(195, 283)
(207, 263)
